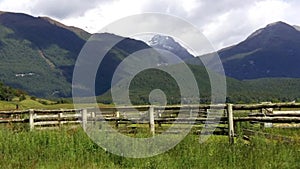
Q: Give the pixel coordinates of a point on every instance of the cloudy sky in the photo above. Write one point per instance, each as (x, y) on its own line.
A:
(223, 22)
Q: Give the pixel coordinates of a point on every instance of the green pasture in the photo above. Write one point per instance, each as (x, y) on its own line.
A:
(72, 148)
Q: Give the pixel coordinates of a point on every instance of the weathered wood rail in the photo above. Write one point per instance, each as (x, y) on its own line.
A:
(156, 116)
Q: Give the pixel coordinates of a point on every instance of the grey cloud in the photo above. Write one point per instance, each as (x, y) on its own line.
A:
(206, 12)
(235, 27)
(165, 6)
(64, 8)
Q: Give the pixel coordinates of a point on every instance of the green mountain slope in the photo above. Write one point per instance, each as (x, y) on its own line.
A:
(38, 54)
(248, 91)
(270, 52)
(31, 55)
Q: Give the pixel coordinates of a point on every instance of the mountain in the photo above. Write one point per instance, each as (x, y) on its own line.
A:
(297, 27)
(34, 52)
(80, 32)
(169, 44)
(38, 54)
(124, 48)
(273, 51)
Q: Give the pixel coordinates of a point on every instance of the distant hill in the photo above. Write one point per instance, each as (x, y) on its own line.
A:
(247, 91)
(273, 51)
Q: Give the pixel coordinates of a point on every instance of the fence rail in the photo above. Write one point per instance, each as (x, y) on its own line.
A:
(228, 114)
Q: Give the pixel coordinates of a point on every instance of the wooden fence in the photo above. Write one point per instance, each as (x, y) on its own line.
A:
(41, 118)
(156, 116)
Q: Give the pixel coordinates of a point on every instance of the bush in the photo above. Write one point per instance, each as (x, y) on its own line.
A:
(33, 98)
(22, 97)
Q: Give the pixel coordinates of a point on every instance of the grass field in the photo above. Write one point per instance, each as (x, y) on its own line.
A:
(32, 104)
(36, 104)
(71, 148)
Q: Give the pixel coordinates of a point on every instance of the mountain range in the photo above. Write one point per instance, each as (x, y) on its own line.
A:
(38, 55)
(272, 51)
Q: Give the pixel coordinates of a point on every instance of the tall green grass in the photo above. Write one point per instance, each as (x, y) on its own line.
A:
(71, 148)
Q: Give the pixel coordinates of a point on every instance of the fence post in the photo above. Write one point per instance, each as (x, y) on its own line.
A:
(117, 114)
(191, 112)
(84, 118)
(31, 119)
(159, 116)
(266, 111)
(230, 123)
(60, 119)
(93, 116)
(151, 120)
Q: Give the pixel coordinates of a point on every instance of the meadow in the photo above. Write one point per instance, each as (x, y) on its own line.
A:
(71, 148)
